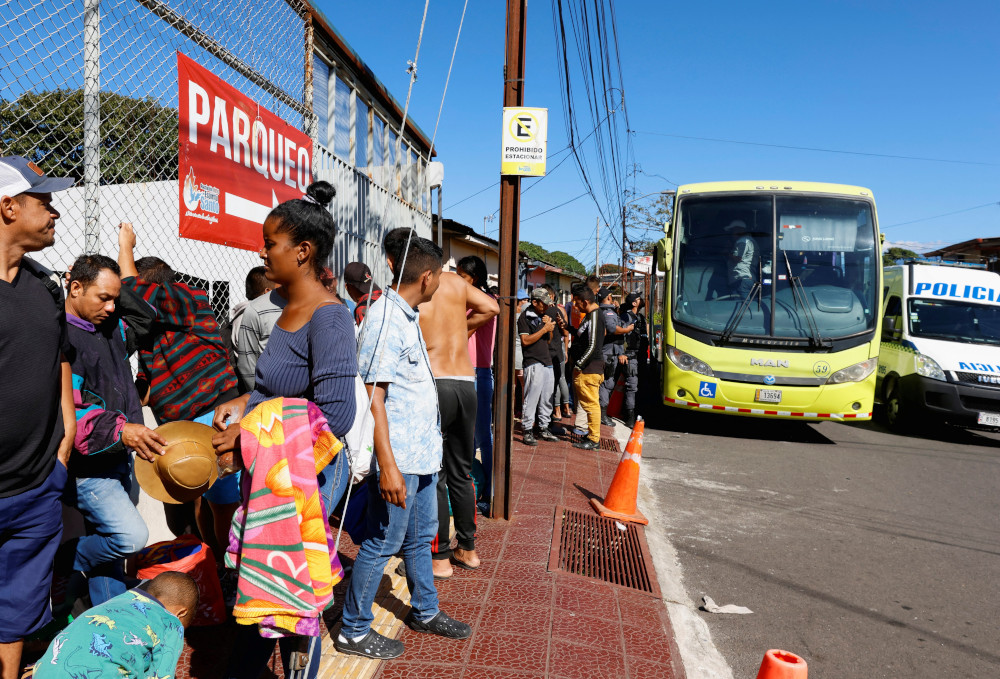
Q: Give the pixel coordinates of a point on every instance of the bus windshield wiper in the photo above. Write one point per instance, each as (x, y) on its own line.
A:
(734, 322)
(799, 295)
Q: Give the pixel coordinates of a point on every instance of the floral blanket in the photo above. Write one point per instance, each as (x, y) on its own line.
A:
(281, 542)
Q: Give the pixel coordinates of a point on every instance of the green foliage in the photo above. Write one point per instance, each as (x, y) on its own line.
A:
(610, 268)
(534, 251)
(561, 259)
(892, 255)
(651, 215)
(567, 262)
(138, 136)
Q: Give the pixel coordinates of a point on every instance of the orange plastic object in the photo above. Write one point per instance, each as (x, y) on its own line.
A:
(620, 502)
(782, 665)
(617, 399)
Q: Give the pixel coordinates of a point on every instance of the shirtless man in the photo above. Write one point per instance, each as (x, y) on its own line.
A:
(447, 322)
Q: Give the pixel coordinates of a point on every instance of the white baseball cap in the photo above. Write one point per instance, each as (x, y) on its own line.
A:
(19, 175)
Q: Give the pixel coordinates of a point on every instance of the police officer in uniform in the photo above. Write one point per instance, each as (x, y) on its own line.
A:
(615, 360)
(635, 343)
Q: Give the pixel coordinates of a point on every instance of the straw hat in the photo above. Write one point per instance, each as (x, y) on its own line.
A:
(186, 470)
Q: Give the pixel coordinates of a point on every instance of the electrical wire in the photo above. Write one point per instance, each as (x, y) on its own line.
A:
(817, 149)
(448, 77)
(946, 214)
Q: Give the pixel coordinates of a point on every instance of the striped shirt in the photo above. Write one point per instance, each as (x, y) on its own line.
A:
(185, 362)
(259, 317)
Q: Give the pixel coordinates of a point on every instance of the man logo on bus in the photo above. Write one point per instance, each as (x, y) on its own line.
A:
(769, 380)
(770, 362)
(821, 369)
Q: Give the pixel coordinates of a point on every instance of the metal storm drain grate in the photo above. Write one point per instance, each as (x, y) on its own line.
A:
(607, 443)
(602, 549)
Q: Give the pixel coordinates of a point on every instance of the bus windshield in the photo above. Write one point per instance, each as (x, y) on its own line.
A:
(955, 321)
(776, 266)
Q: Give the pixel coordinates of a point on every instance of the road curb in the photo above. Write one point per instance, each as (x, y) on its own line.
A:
(699, 656)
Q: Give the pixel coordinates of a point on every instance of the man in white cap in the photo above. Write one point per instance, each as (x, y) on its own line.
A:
(37, 418)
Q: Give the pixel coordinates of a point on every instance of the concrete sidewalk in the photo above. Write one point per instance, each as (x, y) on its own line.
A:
(527, 622)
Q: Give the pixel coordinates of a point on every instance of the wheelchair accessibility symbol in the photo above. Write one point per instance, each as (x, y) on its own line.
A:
(707, 389)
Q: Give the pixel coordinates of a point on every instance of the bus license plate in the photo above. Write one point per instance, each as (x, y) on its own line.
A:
(989, 419)
(768, 396)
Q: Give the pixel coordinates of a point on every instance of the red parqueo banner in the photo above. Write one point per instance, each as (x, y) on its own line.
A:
(237, 160)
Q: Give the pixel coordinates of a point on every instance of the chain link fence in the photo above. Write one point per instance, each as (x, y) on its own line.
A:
(89, 91)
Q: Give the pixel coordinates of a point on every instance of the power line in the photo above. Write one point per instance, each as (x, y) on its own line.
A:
(816, 149)
(448, 77)
(946, 214)
(571, 200)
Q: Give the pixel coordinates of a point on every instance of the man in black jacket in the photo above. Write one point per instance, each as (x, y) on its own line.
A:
(104, 324)
(587, 360)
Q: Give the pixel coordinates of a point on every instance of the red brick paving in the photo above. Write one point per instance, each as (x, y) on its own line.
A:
(531, 623)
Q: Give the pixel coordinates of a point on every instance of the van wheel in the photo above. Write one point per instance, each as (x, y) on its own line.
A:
(895, 414)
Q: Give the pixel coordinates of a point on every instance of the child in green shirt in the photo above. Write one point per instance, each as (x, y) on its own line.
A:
(137, 634)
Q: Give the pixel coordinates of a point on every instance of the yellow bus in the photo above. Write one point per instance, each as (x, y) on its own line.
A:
(771, 300)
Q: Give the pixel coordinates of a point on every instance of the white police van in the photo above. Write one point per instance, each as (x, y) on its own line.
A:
(940, 353)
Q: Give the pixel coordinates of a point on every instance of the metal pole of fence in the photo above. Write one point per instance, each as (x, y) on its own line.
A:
(91, 126)
(310, 123)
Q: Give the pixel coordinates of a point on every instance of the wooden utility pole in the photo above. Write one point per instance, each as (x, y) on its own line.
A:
(510, 219)
(597, 256)
(624, 243)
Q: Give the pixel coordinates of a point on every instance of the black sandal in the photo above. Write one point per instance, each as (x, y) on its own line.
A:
(441, 624)
(373, 645)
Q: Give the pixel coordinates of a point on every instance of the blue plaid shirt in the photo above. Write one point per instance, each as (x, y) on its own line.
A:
(392, 350)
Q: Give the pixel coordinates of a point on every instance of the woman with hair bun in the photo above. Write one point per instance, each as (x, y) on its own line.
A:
(311, 354)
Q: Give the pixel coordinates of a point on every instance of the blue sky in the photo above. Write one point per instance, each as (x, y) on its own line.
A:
(892, 77)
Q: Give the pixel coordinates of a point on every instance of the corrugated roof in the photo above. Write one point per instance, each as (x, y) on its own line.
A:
(366, 75)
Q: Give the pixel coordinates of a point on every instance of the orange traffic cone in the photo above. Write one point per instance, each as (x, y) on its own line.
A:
(620, 502)
(782, 665)
(616, 399)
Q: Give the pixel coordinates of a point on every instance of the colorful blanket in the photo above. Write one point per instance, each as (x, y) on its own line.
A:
(281, 542)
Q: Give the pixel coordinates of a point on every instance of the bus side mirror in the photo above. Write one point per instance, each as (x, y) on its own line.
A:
(662, 254)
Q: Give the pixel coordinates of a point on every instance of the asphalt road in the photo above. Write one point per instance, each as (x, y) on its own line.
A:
(867, 553)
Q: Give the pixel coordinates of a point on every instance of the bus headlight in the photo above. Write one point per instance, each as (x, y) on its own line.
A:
(854, 373)
(928, 367)
(688, 362)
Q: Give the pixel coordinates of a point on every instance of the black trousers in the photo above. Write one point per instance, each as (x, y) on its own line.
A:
(457, 399)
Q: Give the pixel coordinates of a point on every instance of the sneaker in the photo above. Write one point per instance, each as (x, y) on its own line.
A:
(441, 624)
(529, 439)
(373, 645)
(546, 435)
(586, 444)
(557, 429)
(577, 431)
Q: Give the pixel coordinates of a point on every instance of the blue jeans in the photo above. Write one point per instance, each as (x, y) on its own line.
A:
(389, 528)
(114, 529)
(333, 481)
(484, 426)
